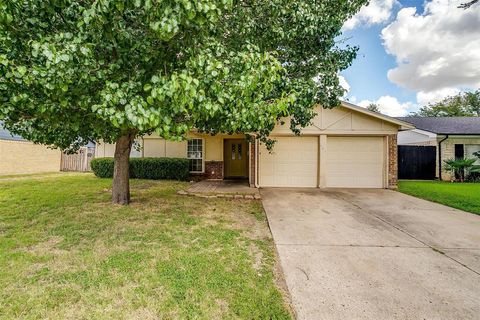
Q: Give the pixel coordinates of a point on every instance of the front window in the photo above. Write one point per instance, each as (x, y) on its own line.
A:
(470, 150)
(195, 154)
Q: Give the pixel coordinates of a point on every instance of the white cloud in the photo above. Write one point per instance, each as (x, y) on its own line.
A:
(377, 11)
(344, 83)
(424, 98)
(390, 106)
(437, 51)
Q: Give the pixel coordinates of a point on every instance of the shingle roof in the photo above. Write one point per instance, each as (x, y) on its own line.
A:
(446, 125)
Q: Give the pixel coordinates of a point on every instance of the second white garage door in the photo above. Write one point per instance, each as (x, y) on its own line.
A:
(355, 162)
(293, 163)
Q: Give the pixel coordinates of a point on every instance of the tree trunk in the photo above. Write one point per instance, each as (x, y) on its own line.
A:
(121, 173)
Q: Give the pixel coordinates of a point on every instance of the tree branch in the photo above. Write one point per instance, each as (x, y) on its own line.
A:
(467, 5)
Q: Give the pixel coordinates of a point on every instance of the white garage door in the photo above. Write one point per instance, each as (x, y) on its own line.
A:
(293, 163)
(355, 162)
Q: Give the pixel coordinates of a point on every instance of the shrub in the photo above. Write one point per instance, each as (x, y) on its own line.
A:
(102, 167)
(460, 167)
(145, 168)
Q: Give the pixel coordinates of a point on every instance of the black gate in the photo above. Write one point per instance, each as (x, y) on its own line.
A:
(416, 162)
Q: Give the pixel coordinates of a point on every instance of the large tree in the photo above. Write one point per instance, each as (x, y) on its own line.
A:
(466, 104)
(74, 71)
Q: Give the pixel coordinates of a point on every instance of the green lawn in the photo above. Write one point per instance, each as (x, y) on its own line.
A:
(464, 196)
(66, 252)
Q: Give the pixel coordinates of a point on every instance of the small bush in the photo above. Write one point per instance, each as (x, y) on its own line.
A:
(145, 168)
(102, 167)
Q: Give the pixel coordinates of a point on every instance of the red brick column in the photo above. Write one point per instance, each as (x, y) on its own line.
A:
(252, 164)
(392, 161)
(213, 170)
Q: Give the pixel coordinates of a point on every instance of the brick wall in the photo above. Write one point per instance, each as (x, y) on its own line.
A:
(213, 170)
(392, 161)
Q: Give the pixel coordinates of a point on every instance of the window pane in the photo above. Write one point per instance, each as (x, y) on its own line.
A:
(196, 165)
(233, 152)
(470, 149)
(240, 152)
(195, 154)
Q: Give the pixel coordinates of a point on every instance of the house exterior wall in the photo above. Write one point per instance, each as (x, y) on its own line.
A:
(448, 151)
(343, 121)
(340, 121)
(155, 146)
(17, 157)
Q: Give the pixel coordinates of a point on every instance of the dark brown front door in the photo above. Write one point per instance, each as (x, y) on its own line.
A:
(235, 158)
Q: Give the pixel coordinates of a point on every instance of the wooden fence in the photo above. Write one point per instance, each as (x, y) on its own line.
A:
(79, 161)
(417, 162)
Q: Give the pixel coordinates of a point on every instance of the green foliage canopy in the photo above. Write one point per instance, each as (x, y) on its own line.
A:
(465, 104)
(373, 107)
(79, 71)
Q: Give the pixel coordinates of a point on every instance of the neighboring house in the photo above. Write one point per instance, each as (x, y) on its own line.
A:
(456, 137)
(18, 155)
(347, 146)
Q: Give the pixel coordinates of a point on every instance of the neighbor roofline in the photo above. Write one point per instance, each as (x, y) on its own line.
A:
(403, 124)
(457, 134)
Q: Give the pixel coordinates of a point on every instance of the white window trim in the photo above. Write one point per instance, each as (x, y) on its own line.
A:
(471, 156)
(203, 154)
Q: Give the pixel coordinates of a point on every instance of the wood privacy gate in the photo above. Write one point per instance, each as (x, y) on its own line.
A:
(79, 161)
(417, 162)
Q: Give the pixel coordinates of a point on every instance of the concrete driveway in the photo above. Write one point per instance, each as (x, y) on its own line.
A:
(375, 254)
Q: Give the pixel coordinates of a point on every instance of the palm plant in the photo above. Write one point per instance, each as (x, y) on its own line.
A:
(460, 167)
(476, 168)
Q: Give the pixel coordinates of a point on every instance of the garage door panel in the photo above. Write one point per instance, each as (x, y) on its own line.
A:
(355, 162)
(360, 158)
(293, 163)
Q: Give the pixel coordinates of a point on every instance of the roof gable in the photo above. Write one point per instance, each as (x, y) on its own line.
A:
(397, 121)
(346, 119)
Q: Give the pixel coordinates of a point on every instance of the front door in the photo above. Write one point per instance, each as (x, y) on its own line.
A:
(235, 158)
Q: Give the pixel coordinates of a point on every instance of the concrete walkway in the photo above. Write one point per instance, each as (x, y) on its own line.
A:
(375, 254)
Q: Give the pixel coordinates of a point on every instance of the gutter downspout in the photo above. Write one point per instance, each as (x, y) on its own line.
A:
(440, 157)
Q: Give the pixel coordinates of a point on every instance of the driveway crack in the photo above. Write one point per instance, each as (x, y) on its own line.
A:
(304, 272)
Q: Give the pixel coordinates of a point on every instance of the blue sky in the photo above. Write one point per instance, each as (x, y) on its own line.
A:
(424, 40)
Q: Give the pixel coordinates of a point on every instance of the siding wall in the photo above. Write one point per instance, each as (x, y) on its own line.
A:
(154, 146)
(340, 121)
(17, 157)
(448, 150)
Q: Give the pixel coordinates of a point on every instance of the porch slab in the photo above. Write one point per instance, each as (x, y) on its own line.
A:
(223, 187)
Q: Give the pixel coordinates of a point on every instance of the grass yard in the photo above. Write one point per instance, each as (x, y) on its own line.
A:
(67, 253)
(464, 196)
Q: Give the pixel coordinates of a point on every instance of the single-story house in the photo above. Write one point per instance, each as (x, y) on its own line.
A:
(347, 146)
(455, 137)
(19, 156)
